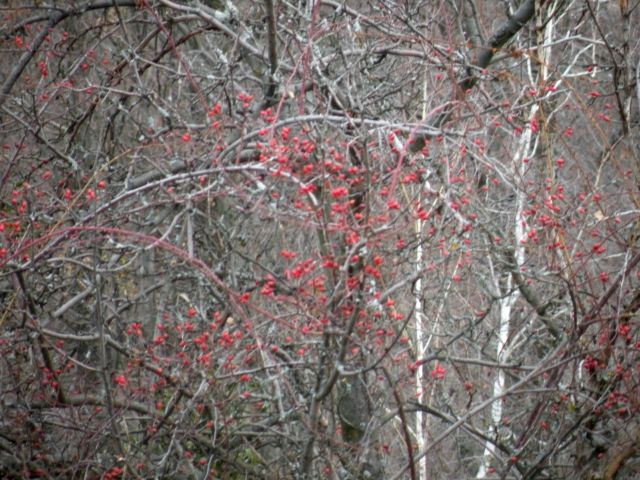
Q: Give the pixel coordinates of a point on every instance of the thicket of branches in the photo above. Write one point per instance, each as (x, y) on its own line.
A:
(319, 239)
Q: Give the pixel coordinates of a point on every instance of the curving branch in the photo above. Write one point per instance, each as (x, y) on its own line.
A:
(502, 35)
(26, 57)
(54, 19)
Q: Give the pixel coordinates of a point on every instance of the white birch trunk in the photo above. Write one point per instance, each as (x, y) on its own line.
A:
(420, 352)
(507, 302)
(421, 344)
(526, 148)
